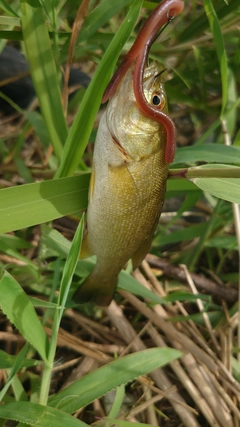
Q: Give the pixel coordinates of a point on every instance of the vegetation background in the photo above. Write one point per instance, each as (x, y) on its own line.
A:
(56, 359)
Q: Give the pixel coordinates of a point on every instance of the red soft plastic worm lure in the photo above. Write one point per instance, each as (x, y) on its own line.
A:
(166, 10)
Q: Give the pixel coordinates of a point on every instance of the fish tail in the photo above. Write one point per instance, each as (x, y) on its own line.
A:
(96, 289)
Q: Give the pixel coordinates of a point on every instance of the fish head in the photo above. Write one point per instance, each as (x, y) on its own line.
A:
(137, 135)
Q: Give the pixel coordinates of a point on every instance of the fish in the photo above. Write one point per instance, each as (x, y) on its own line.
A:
(134, 145)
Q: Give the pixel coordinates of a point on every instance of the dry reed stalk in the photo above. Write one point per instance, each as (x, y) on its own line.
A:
(191, 328)
(224, 372)
(229, 402)
(96, 329)
(200, 306)
(150, 412)
(160, 378)
(9, 337)
(196, 391)
(65, 365)
(214, 364)
(141, 407)
(66, 339)
(168, 329)
(188, 384)
(213, 402)
(88, 364)
(228, 294)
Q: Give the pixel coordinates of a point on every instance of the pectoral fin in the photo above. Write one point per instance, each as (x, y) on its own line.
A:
(85, 251)
(92, 183)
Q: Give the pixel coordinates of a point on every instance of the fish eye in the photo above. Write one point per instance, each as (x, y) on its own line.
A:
(158, 100)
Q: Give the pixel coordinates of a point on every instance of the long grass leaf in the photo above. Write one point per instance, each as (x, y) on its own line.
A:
(7, 8)
(221, 53)
(71, 263)
(212, 153)
(101, 14)
(82, 126)
(7, 361)
(223, 188)
(43, 71)
(20, 311)
(110, 376)
(38, 415)
(17, 364)
(32, 204)
(199, 25)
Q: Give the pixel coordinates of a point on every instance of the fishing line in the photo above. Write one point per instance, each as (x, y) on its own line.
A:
(170, 19)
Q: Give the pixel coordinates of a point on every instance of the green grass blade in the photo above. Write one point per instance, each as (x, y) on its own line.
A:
(68, 272)
(19, 310)
(38, 415)
(43, 71)
(7, 361)
(32, 204)
(100, 15)
(18, 390)
(176, 187)
(10, 21)
(5, 247)
(199, 25)
(223, 188)
(11, 35)
(188, 233)
(127, 282)
(83, 123)
(110, 376)
(71, 263)
(231, 112)
(18, 363)
(221, 53)
(7, 8)
(222, 242)
(117, 404)
(212, 153)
